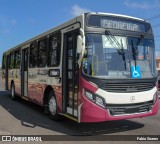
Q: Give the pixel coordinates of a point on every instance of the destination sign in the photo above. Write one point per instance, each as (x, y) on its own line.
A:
(120, 23)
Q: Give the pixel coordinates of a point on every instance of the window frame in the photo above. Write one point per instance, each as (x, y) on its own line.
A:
(10, 55)
(55, 34)
(15, 60)
(38, 44)
(35, 46)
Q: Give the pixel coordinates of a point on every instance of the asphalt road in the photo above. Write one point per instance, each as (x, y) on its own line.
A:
(25, 118)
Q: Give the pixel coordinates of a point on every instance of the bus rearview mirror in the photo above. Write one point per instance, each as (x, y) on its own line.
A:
(80, 48)
(79, 44)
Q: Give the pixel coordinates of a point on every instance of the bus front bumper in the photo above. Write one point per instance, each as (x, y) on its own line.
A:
(90, 112)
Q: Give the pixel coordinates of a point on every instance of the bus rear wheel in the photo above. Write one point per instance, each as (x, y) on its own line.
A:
(13, 95)
(52, 107)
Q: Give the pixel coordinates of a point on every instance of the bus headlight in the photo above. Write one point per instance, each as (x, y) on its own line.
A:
(99, 101)
(88, 95)
(155, 97)
(94, 98)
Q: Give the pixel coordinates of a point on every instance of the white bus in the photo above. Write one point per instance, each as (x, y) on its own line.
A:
(95, 67)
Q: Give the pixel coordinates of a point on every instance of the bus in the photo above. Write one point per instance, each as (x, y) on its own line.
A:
(96, 67)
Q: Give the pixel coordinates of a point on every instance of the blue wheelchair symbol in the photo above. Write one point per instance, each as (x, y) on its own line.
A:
(136, 73)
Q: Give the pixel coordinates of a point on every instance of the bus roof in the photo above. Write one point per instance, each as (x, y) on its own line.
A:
(118, 15)
(74, 20)
(48, 32)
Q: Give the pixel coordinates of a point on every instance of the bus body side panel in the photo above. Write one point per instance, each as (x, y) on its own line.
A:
(39, 92)
(38, 80)
(10, 78)
(36, 86)
(36, 92)
(17, 81)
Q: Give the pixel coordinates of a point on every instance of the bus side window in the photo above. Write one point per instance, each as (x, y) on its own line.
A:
(54, 49)
(17, 59)
(33, 55)
(42, 51)
(12, 61)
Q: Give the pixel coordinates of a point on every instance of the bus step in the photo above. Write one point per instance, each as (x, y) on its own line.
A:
(70, 111)
(25, 98)
(70, 117)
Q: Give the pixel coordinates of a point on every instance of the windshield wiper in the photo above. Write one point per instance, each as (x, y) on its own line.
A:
(114, 41)
(135, 49)
(134, 53)
(139, 41)
(120, 48)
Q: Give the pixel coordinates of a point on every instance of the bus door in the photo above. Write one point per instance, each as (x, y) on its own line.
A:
(70, 74)
(7, 85)
(24, 73)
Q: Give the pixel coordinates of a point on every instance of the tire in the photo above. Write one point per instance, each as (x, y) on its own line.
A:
(52, 107)
(13, 95)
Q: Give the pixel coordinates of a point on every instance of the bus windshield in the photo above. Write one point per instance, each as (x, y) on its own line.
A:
(131, 58)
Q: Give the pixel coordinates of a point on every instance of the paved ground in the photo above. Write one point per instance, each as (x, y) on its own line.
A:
(24, 118)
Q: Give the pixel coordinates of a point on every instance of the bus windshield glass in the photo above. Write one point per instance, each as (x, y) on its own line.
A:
(130, 58)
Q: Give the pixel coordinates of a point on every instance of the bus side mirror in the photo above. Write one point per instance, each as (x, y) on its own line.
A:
(79, 44)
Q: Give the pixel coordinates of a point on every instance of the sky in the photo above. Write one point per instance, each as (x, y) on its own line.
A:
(21, 20)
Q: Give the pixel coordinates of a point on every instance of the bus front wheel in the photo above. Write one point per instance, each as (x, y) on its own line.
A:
(52, 107)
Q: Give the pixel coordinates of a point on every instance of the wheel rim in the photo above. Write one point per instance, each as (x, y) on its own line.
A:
(12, 91)
(52, 105)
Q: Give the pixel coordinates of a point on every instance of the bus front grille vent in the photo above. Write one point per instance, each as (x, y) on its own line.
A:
(129, 109)
(127, 87)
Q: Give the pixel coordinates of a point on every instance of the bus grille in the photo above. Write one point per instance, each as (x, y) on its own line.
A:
(127, 87)
(115, 109)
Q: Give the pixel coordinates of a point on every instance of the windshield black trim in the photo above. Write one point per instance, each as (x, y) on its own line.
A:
(100, 81)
